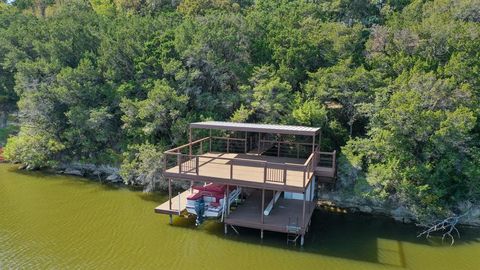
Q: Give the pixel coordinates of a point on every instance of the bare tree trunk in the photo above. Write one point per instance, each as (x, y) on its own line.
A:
(447, 226)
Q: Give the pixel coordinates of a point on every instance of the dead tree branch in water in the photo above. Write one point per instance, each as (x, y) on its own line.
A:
(448, 226)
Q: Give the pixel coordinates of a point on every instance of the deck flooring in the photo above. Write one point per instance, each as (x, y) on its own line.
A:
(179, 203)
(253, 173)
(284, 213)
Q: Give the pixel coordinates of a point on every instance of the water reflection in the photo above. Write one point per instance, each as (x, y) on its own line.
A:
(378, 240)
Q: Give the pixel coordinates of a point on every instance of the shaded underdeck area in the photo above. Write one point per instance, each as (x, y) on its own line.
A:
(285, 213)
(242, 167)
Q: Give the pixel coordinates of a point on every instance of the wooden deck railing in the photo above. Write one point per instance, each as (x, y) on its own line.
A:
(326, 159)
(273, 172)
(326, 166)
(286, 148)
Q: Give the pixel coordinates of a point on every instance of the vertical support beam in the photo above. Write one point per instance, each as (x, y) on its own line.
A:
(179, 200)
(170, 194)
(179, 161)
(264, 172)
(304, 177)
(258, 144)
(278, 147)
(210, 141)
(201, 148)
(246, 145)
(228, 144)
(231, 169)
(263, 207)
(298, 150)
(319, 139)
(227, 211)
(261, 234)
(225, 228)
(225, 196)
(334, 158)
(303, 210)
(302, 240)
(197, 165)
(190, 141)
(313, 144)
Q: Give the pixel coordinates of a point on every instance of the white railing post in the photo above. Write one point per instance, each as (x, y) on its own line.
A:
(179, 195)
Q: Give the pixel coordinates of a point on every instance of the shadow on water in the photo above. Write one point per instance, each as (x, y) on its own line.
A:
(348, 236)
(158, 197)
(75, 180)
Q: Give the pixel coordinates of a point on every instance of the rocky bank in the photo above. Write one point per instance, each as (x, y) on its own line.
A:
(352, 203)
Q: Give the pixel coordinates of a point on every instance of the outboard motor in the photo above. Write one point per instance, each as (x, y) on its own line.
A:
(200, 210)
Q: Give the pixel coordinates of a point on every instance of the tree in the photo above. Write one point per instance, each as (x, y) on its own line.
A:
(421, 146)
(269, 96)
(150, 119)
(352, 88)
(309, 113)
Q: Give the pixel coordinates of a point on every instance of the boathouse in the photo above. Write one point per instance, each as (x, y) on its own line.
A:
(277, 167)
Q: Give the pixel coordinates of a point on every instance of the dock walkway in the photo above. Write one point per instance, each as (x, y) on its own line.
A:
(179, 203)
(285, 213)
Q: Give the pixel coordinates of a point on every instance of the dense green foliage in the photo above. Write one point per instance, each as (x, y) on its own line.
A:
(394, 84)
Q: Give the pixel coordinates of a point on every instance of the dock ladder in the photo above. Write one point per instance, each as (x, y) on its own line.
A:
(292, 230)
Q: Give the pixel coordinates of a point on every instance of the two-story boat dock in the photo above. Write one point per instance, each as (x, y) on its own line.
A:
(276, 166)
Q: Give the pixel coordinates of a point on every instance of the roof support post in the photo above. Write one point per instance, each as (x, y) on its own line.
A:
(313, 144)
(278, 145)
(298, 149)
(190, 141)
(246, 142)
(319, 139)
(210, 141)
(258, 144)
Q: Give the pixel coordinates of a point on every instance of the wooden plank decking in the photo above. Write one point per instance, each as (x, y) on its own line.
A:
(179, 204)
(249, 213)
(246, 171)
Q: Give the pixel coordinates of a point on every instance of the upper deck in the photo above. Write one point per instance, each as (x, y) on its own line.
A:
(276, 173)
(257, 159)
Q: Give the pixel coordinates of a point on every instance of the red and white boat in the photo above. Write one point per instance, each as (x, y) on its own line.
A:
(211, 199)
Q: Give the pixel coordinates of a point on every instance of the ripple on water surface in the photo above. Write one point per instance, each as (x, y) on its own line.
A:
(59, 222)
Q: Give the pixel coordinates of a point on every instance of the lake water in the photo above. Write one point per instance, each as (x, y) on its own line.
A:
(60, 222)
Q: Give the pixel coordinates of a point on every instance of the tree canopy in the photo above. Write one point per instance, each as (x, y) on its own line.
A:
(395, 85)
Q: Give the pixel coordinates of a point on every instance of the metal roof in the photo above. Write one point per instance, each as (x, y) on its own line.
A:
(266, 128)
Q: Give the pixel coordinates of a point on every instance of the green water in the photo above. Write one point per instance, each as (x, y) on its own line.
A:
(58, 222)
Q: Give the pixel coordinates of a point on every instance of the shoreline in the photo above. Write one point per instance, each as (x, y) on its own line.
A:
(329, 201)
